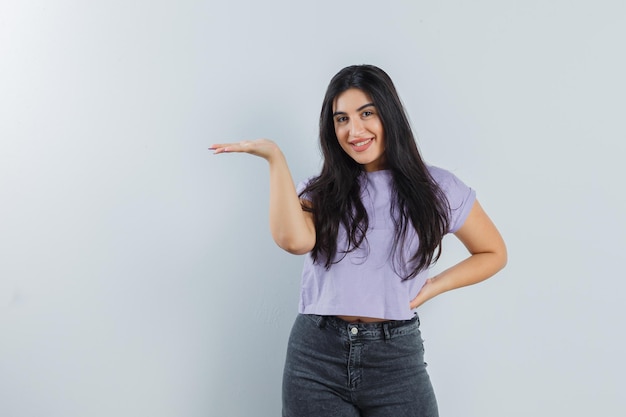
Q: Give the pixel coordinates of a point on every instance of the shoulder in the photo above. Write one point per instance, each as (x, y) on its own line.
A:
(303, 184)
(460, 196)
(444, 178)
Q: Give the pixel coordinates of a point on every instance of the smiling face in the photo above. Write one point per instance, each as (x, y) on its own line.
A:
(359, 129)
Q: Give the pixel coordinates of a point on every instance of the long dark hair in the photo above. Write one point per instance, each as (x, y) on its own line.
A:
(335, 194)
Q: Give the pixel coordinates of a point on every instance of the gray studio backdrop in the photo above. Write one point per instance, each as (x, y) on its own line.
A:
(137, 273)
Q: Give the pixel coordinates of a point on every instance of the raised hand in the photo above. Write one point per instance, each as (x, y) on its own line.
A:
(264, 148)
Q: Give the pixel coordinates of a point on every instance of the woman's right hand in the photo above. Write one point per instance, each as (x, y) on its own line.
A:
(264, 148)
(292, 228)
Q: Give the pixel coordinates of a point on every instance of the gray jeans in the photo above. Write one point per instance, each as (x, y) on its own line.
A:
(340, 369)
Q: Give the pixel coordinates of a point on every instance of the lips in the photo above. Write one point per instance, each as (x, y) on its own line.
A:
(361, 145)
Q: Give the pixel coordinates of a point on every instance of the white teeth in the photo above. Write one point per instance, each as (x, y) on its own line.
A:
(362, 143)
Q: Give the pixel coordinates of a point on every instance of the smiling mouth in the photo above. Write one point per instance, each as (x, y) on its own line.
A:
(361, 145)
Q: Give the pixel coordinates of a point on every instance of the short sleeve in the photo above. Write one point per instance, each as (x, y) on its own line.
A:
(460, 197)
(301, 186)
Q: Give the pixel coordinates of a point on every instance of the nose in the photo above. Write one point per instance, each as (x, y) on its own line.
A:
(356, 126)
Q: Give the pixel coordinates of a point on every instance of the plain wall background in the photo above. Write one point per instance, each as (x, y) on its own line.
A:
(137, 273)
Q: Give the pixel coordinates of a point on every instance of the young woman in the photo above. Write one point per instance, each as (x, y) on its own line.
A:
(371, 225)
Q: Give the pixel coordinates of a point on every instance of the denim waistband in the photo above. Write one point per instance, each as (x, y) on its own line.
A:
(367, 331)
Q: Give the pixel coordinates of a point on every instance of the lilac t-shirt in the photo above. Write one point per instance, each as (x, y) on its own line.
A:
(364, 282)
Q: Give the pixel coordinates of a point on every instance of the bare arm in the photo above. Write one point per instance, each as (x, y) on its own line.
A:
(488, 256)
(292, 228)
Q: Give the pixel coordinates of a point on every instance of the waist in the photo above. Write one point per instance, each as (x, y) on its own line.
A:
(367, 330)
(356, 319)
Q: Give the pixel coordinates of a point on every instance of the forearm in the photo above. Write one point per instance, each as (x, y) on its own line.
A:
(472, 270)
(290, 226)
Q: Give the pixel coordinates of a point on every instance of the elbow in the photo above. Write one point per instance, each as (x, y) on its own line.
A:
(493, 259)
(296, 250)
(501, 257)
(295, 246)
(503, 261)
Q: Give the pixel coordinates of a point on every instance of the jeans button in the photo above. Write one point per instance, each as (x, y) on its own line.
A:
(354, 330)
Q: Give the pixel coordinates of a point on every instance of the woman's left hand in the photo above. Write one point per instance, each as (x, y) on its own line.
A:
(428, 291)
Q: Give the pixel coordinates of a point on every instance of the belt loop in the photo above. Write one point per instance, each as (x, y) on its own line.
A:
(321, 322)
(386, 330)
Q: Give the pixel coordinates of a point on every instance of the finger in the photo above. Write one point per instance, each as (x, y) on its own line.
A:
(217, 149)
(223, 147)
(233, 147)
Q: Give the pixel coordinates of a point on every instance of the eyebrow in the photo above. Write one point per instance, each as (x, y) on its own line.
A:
(359, 109)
